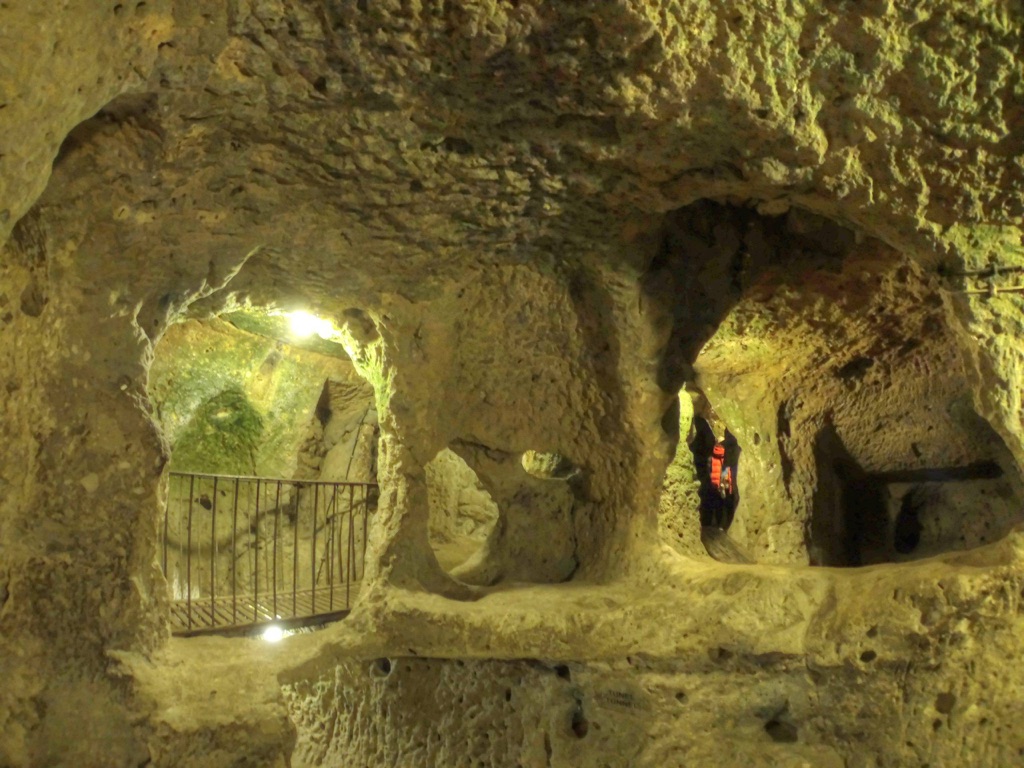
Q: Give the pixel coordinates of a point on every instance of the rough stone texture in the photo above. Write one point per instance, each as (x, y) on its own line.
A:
(679, 505)
(344, 440)
(462, 513)
(489, 198)
(870, 667)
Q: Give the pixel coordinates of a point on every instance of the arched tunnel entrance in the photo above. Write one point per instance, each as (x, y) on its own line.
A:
(835, 362)
(272, 436)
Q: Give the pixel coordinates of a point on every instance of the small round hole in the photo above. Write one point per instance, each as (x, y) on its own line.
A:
(380, 668)
(580, 724)
(783, 733)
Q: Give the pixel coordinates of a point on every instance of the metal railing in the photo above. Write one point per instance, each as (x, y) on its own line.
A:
(238, 552)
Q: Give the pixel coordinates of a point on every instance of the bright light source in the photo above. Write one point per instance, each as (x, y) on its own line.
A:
(304, 324)
(273, 634)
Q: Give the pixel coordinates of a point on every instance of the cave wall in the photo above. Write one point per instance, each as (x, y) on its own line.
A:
(895, 666)
(679, 505)
(476, 191)
(342, 440)
(646, 712)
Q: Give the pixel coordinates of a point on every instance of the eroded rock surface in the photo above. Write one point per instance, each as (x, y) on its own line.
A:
(534, 223)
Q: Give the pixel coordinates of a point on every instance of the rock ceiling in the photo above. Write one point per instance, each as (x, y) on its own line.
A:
(489, 198)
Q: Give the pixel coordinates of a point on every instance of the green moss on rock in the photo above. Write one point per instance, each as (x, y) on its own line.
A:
(223, 436)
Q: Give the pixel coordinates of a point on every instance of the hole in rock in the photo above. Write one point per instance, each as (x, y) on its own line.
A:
(500, 516)
(945, 702)
(462, 512)
(272, 483)
(907, 529)
(456, 145)
(33, 300)
(580, 725)
(781, 732)
(380, 668)
(548, 465)
(836, 363)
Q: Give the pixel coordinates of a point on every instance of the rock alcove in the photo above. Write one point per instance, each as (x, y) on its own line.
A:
(837, 363)
(544, 230)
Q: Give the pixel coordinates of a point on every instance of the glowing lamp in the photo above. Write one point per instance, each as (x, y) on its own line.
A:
(273, 634)
(303, 324)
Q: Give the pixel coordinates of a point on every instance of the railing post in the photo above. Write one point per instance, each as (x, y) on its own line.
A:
(295, 553)
(351, 551)
(213, 555)
(329, 550)
(366, 514)
(188, 553)
(256, 561)
(234, 558)
(341, 560)
(277, 528)
(312, 556)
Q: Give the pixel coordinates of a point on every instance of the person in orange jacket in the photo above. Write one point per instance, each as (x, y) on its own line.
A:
(723, 496)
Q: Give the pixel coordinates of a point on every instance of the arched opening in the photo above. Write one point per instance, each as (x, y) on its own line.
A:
(834, 361)
(462, 512)
(273, 443)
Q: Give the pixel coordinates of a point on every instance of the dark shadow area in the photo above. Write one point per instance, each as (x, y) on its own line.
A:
(137, 109)
(978, 470)
(855, 521)
(906, 534)
(850, 517)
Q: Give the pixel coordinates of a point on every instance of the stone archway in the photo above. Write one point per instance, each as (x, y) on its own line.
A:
(839, 364)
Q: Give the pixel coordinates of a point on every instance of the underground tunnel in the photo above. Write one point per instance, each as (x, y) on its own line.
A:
(541, 250)
(849, 441)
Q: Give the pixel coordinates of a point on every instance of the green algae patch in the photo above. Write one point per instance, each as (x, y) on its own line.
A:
(223, 437)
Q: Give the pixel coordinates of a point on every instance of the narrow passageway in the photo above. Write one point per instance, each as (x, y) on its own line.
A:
(716, 455)
(835, 362)
(717, 464)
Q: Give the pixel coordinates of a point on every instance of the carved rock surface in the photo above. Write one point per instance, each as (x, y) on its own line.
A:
(533, 223)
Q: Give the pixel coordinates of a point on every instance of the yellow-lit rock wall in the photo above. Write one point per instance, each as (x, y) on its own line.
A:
(476, 194)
